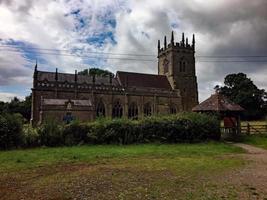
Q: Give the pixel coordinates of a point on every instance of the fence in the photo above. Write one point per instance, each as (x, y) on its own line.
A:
(250, 129)
(247, 129)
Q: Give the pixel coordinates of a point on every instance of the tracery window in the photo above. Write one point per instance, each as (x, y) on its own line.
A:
(133, 111)
(100, 109)
(147, 109)
(117, 110)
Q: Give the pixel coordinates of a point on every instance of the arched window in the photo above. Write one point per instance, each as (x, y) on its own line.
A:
(133, 111)
(147, 109)
(100, 109)
(117, 110)
(173, 109)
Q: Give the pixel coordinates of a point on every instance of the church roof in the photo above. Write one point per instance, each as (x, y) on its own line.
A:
(217, 103)
(139, 80)
(70, 78)
(124, 79)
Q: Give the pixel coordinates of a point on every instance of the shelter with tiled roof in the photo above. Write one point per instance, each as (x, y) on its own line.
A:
(128, 94)
(217, 103)
(226, 109)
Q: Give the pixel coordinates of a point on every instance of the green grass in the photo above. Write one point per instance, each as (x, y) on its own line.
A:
(148, 171)
(28, 158)
(256, 140)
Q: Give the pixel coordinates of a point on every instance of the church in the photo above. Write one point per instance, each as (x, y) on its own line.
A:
(65, 97)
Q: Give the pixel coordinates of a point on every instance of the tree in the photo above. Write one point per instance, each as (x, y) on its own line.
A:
(16, 105)
(241, 90)
(96, 72)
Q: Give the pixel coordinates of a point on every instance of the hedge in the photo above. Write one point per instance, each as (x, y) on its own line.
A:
(183, 127)
(186, 127)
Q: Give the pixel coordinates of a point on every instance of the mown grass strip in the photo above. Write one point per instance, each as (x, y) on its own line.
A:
(28, 158)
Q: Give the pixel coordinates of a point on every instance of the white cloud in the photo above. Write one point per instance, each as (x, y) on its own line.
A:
(221, 28)
(7, 97)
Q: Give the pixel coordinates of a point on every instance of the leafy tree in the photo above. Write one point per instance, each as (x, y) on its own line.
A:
(241, 90)
(16, 105)
(96, 72)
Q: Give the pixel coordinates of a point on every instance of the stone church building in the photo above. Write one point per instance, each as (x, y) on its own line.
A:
(65, 97)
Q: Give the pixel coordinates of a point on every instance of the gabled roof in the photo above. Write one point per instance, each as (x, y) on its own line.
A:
(138, 80)
(217, 103)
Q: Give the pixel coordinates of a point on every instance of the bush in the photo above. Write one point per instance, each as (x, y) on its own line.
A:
(117, 131)
(186, 127)
(10, 130)
(183, 127)
(51, 133)
(30, 136)
(75, 133)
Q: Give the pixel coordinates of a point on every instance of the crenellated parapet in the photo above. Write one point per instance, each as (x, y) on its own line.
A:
(182, 45)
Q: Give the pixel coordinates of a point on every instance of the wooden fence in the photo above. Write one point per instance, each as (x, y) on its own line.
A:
(251, 129)
(247, 129)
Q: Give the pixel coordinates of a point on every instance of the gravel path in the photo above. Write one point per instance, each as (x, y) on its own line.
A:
(251, 182)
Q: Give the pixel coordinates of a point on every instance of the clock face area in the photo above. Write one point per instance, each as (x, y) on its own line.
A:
(165, 65)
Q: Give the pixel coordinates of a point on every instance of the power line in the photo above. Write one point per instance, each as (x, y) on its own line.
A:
(129, 54)
(125, 58)
(81, 56)
(93, 52)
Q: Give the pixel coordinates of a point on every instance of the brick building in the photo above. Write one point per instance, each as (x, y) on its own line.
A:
(134, 95)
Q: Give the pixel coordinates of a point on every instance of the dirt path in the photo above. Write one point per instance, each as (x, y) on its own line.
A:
(251, 182)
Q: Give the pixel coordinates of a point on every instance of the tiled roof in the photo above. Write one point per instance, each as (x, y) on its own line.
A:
(217, 103)
(138, 80)
(70, 78)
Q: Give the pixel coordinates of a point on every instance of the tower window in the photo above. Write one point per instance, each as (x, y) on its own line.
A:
(182, 65)
(165, 66)
(100, 109)
(147, 109)
(133, 111)
(117, 110)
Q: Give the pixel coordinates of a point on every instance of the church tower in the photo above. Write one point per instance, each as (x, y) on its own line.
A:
(177, 62)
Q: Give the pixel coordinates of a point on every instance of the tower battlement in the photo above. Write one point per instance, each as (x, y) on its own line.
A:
(182, 45)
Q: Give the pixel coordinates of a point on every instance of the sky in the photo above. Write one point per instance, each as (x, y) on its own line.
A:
(122, 35)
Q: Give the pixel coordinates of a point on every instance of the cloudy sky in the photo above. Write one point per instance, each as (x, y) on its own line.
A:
(123, 34)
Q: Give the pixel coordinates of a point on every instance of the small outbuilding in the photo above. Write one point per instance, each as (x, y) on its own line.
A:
(226, 109)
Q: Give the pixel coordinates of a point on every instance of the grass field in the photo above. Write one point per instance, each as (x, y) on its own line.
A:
(256, 140)
(151, 171)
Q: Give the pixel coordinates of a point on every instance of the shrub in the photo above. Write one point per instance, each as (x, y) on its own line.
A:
(117, 131)
(75, 133)
(185, 127)
(10, 130)
(30, 136)
(51, 133)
